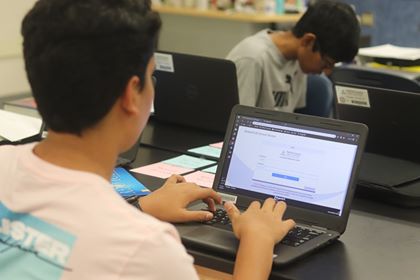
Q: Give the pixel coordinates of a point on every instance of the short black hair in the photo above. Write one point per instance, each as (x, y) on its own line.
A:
(80, 54)
(336, 28)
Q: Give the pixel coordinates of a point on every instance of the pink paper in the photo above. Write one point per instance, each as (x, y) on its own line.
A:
(161, 170)
(203, 179)
(217, 145)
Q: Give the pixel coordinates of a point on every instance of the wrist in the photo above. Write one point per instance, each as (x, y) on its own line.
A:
(258, 237)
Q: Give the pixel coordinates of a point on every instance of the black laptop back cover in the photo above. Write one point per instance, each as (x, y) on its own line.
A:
(392, 117)
(386, 171)
(130, 155)
(197, 91)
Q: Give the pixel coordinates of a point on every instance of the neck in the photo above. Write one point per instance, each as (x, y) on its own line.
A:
(286, 42)
(88, 153)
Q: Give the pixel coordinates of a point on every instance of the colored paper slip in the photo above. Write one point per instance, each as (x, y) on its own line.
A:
(188, 162)
(203, 179)
(126, 184)
(211, 169)
(217, 145)
(207, 151)
(161, 170)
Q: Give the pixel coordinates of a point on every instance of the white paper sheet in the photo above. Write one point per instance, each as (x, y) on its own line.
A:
(15, 127)
(391, 51)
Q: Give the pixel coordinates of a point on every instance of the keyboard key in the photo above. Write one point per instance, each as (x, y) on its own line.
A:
(299, 236)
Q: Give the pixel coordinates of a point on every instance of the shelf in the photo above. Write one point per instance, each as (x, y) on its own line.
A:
(228, 15)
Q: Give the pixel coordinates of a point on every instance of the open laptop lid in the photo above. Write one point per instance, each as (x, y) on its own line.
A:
(310, 162)
(194, 90)
(392, 117)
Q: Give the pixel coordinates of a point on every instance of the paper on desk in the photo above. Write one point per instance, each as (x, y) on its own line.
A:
(200, 178)
(217, 145)
(211, 169)
(188, 162)
(15, 127)
(207, 151)
(161, 170)
(391, 51)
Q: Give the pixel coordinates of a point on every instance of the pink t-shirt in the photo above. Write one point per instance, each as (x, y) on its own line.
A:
(58, 223)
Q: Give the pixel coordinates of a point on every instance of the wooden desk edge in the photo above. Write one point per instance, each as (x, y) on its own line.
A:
(210, 274)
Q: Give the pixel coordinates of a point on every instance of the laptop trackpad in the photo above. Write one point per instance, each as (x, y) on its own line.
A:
(217, 238)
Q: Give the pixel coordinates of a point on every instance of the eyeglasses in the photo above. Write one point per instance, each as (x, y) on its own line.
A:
(154, 80)
(327, 62)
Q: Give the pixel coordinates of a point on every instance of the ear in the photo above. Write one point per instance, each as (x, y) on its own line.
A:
(308, 40)
(130, 97)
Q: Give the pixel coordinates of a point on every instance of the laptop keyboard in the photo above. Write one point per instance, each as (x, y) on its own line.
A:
(220, 219)
(296, 237)
(299, 235)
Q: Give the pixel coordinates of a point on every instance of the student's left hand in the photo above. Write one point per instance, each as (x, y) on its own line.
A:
(169, 202)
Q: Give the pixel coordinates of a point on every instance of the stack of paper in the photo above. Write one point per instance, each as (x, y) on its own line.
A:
(391, 51)
(15, 127)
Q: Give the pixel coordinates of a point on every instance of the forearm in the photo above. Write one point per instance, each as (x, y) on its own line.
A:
(254, 258)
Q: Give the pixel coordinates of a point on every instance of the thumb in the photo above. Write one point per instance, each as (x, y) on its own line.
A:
(198, 216)
(231, 210)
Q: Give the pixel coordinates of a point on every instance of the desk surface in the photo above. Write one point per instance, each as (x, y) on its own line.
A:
(228, 15)
(381, 241)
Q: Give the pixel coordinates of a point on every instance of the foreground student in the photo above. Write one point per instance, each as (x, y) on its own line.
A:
(89, 63)
(272, 65)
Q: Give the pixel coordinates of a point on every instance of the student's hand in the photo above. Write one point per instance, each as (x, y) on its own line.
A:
(169, 202)
(260, 222)
(259, 228)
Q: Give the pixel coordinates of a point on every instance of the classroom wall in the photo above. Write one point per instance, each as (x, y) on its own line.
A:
(395, 21)
(12, 74)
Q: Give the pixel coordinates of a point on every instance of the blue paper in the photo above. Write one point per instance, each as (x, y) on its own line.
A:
(211, 169)
(207, 151)
(189, 162)
(126, 184)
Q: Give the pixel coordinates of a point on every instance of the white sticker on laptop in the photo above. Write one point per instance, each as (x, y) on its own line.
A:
(164, 62)
(352, 96)
(228, 197)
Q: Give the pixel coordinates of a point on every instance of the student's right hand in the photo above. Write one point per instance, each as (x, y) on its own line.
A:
(259, 228)
(258, 221)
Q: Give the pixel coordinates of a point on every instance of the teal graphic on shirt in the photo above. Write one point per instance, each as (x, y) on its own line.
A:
(31, 248)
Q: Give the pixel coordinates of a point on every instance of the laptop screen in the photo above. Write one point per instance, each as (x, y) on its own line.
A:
(307, 167)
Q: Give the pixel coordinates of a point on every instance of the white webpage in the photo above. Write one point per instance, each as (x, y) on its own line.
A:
(293, 167)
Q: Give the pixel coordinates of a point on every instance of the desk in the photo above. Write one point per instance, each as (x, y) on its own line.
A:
(381, 241)
(211, 33)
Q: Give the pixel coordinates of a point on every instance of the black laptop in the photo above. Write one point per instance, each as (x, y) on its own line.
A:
(130, 155)
(309, 162)
(123, 159)
(393, 153)
(194, 90)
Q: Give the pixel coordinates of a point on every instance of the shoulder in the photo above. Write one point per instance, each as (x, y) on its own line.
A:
(158, 246)
(13, 151)
(252, 47)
